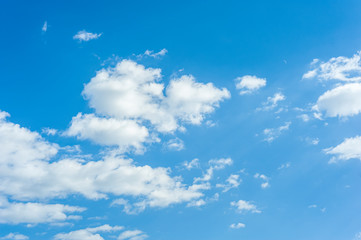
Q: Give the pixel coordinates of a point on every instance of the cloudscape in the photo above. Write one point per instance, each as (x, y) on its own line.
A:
(180, 120)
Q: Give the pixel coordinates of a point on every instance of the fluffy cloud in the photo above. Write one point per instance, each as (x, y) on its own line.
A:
(272, 133)
(88, 233)
(249, 84)
(244, 206)
(86, 36)
(175, 144)
(342, 101)
(15, 213)
(350, 148)
(237, 225)
(125, 134)
(192, 164)
(215, 164)
(131, 92)
(337, 68)
(27, 174)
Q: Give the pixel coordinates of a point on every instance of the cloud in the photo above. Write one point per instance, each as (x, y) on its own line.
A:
(215, 164)
(350, 148)
(49, 131)
(237, 225)
(249, 84)
(342, 101)
(233, 181)
(131, 95)
(197, 203)
(151, 53)
(175, 144)
(26, 173)
(244, 206)
(86, 36)
(125, 134)
(45, 27)
(132, 235)
(265, 179)
(87, 233)
(192, 164)
(272, 133)
(284, 166)
(272, 102)
(34, 213)
(15, 236)
(337, 68)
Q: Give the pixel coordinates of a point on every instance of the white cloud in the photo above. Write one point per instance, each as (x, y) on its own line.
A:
(244, 206)
(273, 133)
(342, 101)
(45, 27)
(215, 164)
(15, 213)
(125, 134)
(192, 164)
(350, 148)
(86, 36)
(265, 179)
(151, 53)
(27, 174)
(196, 203)
(285, 165)
(272, 102)
(88, 233)
(233, 181)
(337, 68)
(132, 235)
(175, 144)
(249, 84)
(237, 225)
(49, 131)
(15, 236)
(129, 208)
(131, 91)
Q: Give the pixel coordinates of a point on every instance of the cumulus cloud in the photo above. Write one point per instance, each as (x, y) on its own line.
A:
(237, 225)
(26, 173)
(271, 134)
(337, 68)
(192, 164)
(215, 164)
(350, 148)
(123, 133)
(86, 36)
(130, 94)
(342, 101)
(175, 144)
(244, 206)
(88, 233)
(249, 84)
(34, 213)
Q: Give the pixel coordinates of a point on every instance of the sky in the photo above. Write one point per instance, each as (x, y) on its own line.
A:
(173, 120)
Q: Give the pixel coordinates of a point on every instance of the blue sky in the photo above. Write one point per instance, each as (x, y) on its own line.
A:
(173, 120)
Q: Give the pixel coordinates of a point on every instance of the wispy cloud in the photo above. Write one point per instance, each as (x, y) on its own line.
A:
(86, 36)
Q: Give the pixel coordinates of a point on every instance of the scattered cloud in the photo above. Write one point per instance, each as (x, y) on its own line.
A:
(233, 181)
(132, 235)
(244, 206)
(237, 225)
(45, 27)
(249, 84)
(265, 179)
(84, 36)
(175, 144)
(337, 68)
(151, 53)
(272, 102)
(197, 203)
(15, 236)
(49, 131)
(271, 134)
(88, 233)
(192, 164)
(285, 165)
(350, 148)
